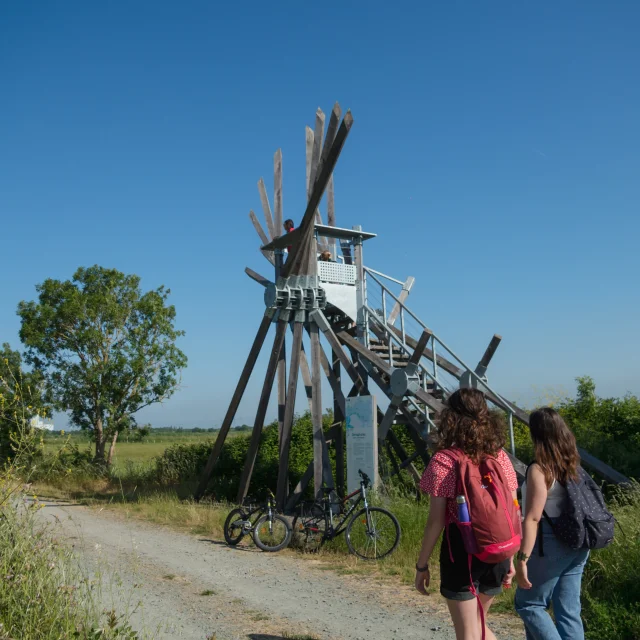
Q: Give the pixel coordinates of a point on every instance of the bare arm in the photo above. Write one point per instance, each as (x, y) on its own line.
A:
(432, 531)
(536, 499)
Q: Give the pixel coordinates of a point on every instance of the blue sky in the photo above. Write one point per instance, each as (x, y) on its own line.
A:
(494, 151)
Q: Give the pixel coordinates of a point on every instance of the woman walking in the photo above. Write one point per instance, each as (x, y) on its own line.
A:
(554, 577)
(465, 427)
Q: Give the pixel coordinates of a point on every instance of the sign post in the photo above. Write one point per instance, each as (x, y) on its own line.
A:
(362, 440)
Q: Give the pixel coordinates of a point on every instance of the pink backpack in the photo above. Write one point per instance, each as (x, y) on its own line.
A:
(494, 531)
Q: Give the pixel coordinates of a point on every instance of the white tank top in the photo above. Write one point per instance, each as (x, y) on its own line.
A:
(556, 497)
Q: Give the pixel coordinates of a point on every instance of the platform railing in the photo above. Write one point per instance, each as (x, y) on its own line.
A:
(438, 346)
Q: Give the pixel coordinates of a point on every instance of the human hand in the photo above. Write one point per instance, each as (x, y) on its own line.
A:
(522, 576)
(423, 578)
(506, 583)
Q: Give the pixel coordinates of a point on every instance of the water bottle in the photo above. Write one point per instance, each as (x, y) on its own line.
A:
(464, 526)
(463, 509)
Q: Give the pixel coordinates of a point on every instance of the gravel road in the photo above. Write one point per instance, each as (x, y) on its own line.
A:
(177, 585)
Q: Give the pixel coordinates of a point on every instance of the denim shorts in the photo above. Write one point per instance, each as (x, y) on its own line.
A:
(455, 583)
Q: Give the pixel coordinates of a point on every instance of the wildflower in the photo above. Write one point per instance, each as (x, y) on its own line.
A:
(52, 565)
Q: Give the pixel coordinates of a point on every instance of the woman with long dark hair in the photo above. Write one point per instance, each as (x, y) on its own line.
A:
(555, 577)
(467, 425)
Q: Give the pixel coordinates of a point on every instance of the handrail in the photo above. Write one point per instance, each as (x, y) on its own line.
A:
(482, 381)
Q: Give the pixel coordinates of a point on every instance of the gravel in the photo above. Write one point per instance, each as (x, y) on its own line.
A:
(177, 585)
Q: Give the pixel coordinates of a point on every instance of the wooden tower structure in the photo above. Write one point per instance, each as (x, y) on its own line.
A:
(372, 337)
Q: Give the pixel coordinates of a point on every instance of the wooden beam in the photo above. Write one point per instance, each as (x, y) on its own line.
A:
(261, 412)
(258, 341)
(282, 388)
(331, 213)
(277, 192)
(448, 366)
(303, 483)
(338, 417)
(306, 376)
(285, 441)
(309, 154)
(320, 319)
(488, 354)
(299, 253)
(315, 156)
(266, 208)
(414, 431)
(316, 412)
(406, 288)
(332, 129)
(263, 237)
(265, 282)
(406, 460)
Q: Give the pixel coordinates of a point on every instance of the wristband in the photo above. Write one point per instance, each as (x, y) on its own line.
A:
(421, 569)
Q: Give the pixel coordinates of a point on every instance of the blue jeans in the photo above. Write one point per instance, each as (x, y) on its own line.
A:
(556, 578)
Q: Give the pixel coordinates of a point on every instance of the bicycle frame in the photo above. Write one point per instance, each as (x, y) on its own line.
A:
(328, 513)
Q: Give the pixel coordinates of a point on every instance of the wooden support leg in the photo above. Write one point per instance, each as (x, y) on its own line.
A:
(316, 412)
(401, 452)
(338, 418)
(282, 389)
(254, 443)
(300, 489)
(233, 406)
(285, 442)
(392, 459)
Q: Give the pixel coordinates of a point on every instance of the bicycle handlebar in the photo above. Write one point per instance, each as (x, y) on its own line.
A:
(365, 477)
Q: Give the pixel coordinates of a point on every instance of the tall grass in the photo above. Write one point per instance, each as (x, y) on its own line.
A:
(44, 594)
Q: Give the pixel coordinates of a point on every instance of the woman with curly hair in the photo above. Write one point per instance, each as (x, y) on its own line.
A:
(465, 424)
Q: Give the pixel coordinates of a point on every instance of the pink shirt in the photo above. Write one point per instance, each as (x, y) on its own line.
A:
(440, 480)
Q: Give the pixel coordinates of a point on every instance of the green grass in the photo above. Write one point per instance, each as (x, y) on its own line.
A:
(129, 452)
(44, 595)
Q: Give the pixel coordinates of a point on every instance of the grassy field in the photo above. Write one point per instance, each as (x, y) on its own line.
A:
(135, 452)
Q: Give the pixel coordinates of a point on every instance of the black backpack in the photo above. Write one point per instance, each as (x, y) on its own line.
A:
(585, 521)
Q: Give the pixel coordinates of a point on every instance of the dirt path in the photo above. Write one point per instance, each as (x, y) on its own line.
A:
(182, 586)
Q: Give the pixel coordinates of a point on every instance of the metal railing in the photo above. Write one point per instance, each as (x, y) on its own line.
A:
(398, 338)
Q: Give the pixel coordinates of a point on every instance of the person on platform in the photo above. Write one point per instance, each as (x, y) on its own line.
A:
(288, 228)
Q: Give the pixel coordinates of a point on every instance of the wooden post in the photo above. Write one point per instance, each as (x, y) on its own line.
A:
(267, 209)
(299, 255)
(338, 419)
(285, 441)
(263, 403)
(263, 329)
(277, 192)
(316, 413)
(406, 288)
(481, 369)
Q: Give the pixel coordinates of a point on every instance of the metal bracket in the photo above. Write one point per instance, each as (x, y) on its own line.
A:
(292, 298)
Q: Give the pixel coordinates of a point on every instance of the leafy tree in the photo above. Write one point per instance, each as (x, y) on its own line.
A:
(108, 349)
(21, 399)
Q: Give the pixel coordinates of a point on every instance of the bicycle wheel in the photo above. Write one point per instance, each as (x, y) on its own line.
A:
(234, 526)
(373, 537)
(309, 532)
(271, 533)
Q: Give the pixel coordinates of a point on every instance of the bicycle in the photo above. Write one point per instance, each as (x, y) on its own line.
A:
(371, 533)
(270, 531)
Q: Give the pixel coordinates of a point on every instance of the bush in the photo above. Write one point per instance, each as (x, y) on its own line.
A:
(611, 591)
(185, 462)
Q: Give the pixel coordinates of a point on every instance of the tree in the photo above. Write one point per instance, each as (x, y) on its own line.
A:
(21, 399)
(108, 349)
